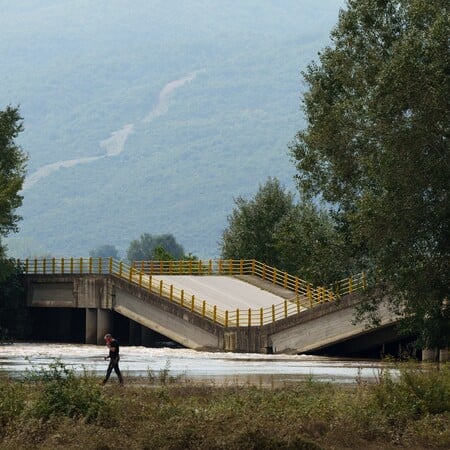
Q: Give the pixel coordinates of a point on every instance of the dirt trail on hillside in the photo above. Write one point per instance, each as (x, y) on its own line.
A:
(115, 144)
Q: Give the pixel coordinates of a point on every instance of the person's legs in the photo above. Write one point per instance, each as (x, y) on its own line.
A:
(117, 370)
(108, 371)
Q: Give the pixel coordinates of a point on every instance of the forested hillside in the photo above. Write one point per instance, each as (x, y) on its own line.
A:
(152, 116)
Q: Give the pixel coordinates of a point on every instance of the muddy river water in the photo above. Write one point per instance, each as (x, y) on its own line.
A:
(217, 368)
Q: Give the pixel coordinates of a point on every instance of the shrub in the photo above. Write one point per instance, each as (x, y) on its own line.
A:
(62, 393)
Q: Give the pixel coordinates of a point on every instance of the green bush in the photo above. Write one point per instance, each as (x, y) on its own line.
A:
(414, 393)
(62, 393)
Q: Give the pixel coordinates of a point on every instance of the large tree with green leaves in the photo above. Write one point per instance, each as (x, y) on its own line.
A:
(251, 225)
(12, 174)
(376, 147)
(309, 245)
(299, 238)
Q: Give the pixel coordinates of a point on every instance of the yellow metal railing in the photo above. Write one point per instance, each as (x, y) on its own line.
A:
(142, 273)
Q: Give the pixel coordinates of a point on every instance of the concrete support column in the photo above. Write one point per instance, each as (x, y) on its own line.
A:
(104, 324)
(444, 355)
(91, 326)
(135, 333)
(429, 355)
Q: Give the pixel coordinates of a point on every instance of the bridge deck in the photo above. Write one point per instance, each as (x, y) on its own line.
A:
(225, 292)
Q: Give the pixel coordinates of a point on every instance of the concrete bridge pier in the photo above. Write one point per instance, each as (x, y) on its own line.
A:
(444, 355)
(98, 323)
(429, 354)
(104, 324)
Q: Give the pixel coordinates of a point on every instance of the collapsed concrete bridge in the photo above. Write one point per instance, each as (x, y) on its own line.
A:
(236, 306)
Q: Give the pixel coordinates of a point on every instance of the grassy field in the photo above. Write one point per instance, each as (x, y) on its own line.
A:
(56, 409)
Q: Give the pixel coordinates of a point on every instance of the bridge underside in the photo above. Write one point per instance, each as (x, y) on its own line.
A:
(82, 308)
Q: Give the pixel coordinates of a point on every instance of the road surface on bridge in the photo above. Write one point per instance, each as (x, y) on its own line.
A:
(225, 292)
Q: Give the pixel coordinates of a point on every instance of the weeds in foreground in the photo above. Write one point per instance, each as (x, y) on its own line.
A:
(61, 410)
(54, 392)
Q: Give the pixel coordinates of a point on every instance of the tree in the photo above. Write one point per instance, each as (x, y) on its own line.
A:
(13, 310)
(376, 147)
(12, 172)
(150, 247)
(104, 251)
(251, 225)
(309, 246)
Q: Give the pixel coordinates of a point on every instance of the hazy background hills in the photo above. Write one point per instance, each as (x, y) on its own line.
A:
(152, 116)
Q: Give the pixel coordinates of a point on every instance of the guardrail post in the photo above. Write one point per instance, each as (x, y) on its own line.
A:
(241, 267)
(336, 290)
(220, 266)
(237, 317)
(90, 265)
(53, 266)
(253, 266)
(226, 318)
(203, 308)
(130, 274)
(264, 272)
(81, 265)
(298, 303)
(182, 297)
(249, 317)
(274, 276)
(140, 279)
(120, 269)
(193, 303)
(215, 314)
(273, 313)
(161, 288)
(309, 295)
(171, 292)
(150, 283)
(26, 265)
(261, 316)
(230, 267)
(285, 309)
(110, 265)
(44, 266)
(209, 267)
(100, 265)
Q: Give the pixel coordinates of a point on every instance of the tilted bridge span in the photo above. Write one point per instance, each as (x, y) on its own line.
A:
(224, 305)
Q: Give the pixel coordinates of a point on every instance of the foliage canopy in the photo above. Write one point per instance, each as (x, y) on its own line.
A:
(12, 171)
(149, 247)
(376, 147)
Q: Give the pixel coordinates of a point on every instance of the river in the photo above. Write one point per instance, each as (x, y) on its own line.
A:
(216, 368)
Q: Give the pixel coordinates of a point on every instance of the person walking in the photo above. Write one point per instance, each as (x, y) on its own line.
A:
(113, 345)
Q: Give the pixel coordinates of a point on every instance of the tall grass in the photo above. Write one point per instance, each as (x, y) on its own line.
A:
(60, 410)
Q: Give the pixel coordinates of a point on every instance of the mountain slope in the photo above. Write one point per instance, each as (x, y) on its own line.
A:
(107, 165)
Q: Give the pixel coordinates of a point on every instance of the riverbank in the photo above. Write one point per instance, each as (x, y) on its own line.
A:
(56, 408)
